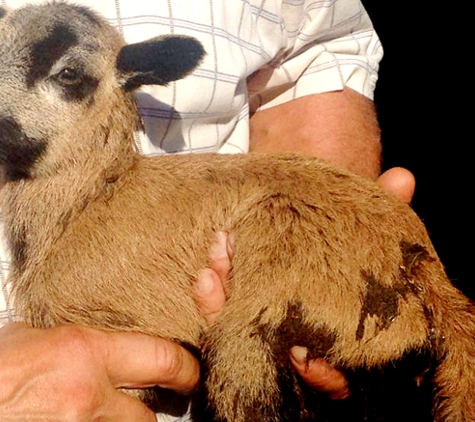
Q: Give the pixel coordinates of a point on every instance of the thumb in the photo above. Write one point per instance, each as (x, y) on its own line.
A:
(134, 360)
(400, 182)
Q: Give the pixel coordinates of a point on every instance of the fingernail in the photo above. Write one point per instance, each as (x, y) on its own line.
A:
(218, 248)
(231, 239)
(300, 354)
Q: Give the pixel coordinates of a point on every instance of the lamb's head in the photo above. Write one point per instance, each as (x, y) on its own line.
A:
(66, 82)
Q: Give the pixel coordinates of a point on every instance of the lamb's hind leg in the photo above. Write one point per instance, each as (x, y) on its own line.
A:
(451, 323)
(454, 326)
(247, 372)
(387, 356)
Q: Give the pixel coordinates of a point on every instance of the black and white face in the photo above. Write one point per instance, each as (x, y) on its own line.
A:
(55, 69)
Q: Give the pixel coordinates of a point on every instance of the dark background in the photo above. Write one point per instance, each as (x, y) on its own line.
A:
(420, 103)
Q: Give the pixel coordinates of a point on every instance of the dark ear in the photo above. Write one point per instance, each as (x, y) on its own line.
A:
(158, 61)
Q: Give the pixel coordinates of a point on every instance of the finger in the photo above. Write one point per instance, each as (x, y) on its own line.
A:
(221, 253)
(210, 294)
(134, 360)
(319, 374)
(210, 288)
(400, 182)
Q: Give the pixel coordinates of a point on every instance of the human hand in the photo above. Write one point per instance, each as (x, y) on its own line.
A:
(70, 373)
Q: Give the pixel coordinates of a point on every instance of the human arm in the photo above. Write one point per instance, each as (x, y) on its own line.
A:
(340, 127)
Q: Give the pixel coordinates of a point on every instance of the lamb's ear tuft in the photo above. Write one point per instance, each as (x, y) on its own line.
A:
(158, 61)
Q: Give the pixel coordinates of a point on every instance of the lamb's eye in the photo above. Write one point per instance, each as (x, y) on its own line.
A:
(74, 83)
(69, 76)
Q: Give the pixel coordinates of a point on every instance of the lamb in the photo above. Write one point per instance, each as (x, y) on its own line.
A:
(103, 237)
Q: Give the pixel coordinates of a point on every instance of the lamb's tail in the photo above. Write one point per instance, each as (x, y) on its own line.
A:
(454, 330)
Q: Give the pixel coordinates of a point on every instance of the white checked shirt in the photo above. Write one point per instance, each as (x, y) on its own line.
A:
(260, 53)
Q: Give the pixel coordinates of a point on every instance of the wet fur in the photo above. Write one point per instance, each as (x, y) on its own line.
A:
(324, 259)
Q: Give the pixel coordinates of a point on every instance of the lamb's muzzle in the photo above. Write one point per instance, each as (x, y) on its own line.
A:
(103, 237)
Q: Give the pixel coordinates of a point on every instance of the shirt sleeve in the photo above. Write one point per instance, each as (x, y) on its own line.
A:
(329, 45)
(6, 311)
(161, 417)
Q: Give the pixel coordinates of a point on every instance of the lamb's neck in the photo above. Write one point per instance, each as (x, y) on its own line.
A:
(37, 210)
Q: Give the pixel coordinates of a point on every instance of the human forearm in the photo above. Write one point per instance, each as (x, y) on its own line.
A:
(339, 126)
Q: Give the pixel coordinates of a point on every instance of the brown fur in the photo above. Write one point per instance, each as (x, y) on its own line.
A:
(114, 240)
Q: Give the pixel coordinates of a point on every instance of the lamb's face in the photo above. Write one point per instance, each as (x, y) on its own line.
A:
(63, 72)
(58, 65)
